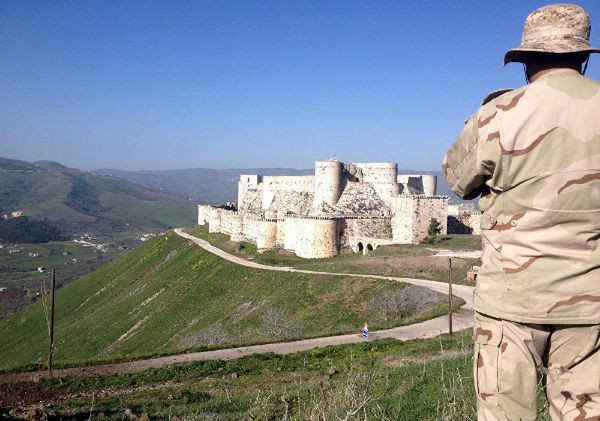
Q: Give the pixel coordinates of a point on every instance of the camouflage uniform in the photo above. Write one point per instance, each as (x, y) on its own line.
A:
(533, 154)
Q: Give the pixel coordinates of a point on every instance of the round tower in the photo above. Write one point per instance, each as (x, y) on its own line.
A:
(430, 185)
(383, 177)
(328, 182)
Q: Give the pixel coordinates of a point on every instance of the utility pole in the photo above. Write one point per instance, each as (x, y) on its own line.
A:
(450, 294)
(51, 336)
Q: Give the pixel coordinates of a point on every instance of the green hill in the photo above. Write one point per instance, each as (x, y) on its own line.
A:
(170, 296)
(70, 202)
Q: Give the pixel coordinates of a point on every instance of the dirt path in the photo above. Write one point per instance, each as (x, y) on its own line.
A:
(461, 319)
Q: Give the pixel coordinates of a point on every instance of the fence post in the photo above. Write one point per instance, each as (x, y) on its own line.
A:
(450, 294)
(51, 337)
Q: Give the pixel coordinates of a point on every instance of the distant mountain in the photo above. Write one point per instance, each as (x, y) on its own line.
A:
(69, 202)
(220, 186)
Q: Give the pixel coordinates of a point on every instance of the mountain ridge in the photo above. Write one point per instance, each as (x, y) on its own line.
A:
(76, 201)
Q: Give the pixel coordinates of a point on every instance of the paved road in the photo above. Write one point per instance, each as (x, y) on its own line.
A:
(461, 319)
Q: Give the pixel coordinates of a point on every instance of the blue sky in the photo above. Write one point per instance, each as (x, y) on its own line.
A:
(156, 85)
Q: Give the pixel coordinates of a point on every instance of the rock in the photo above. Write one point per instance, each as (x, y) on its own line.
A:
(331, 372)
(130, 415)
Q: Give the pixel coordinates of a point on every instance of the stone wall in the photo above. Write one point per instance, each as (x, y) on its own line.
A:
(250, 227)
(247, 183)
(290, 228)
(214, 220)
(426, 209)
(402, 219)
(204, 214)
(369, 227)
(231, 224)
(292, 184)
(316, 238)
(412, 215)
(364, 231)
(464, 219)
(266, 234)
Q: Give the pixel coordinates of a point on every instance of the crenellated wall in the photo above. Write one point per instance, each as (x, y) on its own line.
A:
(231, 224)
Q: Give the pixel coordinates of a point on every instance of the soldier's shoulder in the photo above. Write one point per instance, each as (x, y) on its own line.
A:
(495, 94)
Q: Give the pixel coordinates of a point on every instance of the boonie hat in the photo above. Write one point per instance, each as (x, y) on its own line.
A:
(556, 28)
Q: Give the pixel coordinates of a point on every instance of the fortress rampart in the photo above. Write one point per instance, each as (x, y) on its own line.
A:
(358, 206)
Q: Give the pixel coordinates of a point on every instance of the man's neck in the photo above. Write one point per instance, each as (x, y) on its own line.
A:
(539, 72)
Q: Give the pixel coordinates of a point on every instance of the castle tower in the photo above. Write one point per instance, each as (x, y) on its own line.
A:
(383, 177)
(429, 185)
(328, 182)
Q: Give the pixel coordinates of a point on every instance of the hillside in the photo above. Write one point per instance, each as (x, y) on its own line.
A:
(220, 186)
(169, 296)
(70, 202)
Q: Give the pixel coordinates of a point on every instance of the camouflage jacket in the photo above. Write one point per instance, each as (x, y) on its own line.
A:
(533, 154)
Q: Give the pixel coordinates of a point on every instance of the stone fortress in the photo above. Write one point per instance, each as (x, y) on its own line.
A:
(358, 206)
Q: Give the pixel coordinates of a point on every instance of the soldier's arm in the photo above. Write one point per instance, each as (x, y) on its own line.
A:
(461, 167)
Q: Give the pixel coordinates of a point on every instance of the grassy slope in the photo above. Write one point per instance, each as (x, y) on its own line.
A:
(169, 296)
(413, 380)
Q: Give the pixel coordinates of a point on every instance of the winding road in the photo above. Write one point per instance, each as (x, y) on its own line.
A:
(462, 318)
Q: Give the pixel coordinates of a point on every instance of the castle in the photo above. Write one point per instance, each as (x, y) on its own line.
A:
(358, 206)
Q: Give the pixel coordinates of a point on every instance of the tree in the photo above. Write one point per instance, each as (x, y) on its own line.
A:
(434, 229)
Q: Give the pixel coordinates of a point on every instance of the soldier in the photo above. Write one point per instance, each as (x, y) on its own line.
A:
(533, 155)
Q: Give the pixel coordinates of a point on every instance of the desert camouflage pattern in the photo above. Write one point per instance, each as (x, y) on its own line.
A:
(533, 154)
(514, 362)
(557, 28)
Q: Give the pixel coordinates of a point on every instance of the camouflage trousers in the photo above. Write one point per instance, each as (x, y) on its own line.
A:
(516, 361)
